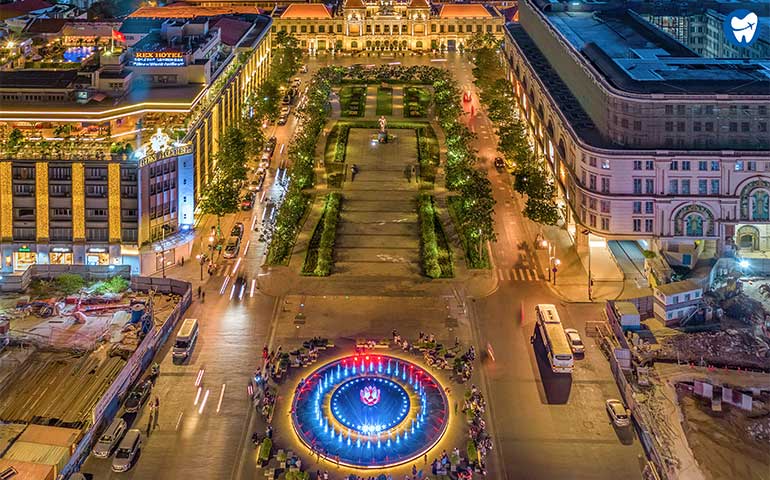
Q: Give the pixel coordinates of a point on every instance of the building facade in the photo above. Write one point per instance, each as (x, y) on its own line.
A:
(115, 148)
(646, 139)
(386, 25)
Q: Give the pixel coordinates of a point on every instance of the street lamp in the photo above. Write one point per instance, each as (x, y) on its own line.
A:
(201, 260)
(556, 263)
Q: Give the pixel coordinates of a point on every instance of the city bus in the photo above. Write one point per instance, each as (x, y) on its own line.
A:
(554, 339)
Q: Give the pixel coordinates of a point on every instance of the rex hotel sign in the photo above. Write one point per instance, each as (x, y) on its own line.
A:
(158, 59)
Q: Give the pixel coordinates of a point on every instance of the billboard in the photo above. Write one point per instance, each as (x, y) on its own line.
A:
(158, 59)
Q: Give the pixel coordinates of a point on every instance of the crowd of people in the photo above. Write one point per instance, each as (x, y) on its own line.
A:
(475, 405)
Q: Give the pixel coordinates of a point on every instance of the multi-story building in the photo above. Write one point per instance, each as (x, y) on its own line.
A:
(386, 25)
(647, 140)
(104, 150)
(699, 25)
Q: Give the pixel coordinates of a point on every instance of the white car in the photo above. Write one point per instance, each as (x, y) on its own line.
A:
(620, 415)
(574, 341)
(110, 438)
(127, 451)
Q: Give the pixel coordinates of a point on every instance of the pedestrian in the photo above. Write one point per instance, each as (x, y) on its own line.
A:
(425, 457)
(203, 296)
(156, 409)
(199, 291)
(269, 432)
(408, 174)
(318, 474)
(414, 470)
(149, 423)
(326, 475)
(413, 172)
(264, 352)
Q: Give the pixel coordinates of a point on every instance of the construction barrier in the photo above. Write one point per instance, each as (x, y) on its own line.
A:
(108, 405)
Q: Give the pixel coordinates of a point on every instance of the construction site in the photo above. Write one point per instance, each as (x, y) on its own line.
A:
(62, 344)
(693, 362)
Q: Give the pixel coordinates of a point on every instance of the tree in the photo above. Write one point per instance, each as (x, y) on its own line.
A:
(231, 157)
(251, 126)
(287, 57)
(480, 41)
(15, 140)
(541, 211)
(220, 197)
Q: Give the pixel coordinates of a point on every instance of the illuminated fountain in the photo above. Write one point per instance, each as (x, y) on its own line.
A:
(370, 411)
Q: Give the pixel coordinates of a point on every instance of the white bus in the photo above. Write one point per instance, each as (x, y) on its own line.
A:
(555, 340)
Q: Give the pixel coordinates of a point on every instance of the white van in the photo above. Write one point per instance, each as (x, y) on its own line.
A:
(126, 453)
(185, 339)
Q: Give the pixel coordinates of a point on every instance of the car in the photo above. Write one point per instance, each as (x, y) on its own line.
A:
(620, 415)
(574, 341)
(232, 247)
(110, 438)
(282, 120)
(499, 163)
(286, 100)
(285, 110)
(266, 156)
(127, 451)
(257, 184)
(138, 396)
(247, 203)
(237, 230)
(272, 141)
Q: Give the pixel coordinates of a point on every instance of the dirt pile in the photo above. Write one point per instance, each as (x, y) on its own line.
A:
(730, 348)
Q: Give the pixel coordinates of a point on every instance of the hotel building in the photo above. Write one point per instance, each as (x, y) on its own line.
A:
(119, 136)
(647, 139)
(386, 25)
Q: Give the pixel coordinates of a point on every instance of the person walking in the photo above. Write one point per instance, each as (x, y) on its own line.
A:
(408, 173)
(149, 420)
(199, 291)
(413, 172)
(156, 408)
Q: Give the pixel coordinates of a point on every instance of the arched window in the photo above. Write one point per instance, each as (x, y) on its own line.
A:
(418, 44)
(760, 205)
(354, 45)
(693, 225)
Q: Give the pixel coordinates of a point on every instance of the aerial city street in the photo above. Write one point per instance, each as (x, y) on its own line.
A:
(384, 239)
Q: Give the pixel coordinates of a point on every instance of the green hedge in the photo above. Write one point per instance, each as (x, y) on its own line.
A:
(319, 258)
(264, 450)
(350, 96)
(385, 101)
(434, 250)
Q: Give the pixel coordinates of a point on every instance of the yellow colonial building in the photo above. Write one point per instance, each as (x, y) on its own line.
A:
(386, 25)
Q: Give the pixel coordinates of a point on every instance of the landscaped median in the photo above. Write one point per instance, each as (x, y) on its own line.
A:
(295, 203)
(353, 101)
(320, 251)
(435, 254)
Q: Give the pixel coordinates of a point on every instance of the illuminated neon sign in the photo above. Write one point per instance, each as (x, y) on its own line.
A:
(158, 59)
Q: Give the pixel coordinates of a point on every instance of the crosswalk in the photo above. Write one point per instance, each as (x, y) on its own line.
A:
(518, 274)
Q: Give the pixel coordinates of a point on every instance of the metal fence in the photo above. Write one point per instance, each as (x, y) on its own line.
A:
(107, 406)
(20, 282)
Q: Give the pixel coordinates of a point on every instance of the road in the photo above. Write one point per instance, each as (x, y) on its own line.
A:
(544, 426)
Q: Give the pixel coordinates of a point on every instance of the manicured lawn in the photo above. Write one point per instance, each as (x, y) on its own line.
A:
(427, 154)
(384, 101)
(353, 101)
(416, 102)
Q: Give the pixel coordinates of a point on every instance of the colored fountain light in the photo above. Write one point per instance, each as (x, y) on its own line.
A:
(370, 411)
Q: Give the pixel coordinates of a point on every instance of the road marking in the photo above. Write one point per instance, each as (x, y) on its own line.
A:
(227, 270)
(198, 396)
(232, 291)
(237, 264)
(178, 421)
(203, 403)
(199, 378)
(253, 284)
(529, 275)
(221, 395)
(224, 285)
(248, 242)
(243, 288)
(534, 274)
(254, 222)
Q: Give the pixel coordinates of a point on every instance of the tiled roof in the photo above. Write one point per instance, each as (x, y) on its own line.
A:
(419, 4)
(307, 10)
(21, 7)
(463, 10)
(46, 25)
(186, 11)
(355, 4)
(511, 14)
(231, 29)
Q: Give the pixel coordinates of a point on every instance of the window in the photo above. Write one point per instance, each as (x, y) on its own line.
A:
(592, 161)
(97, 234)
(129, 234)
(762, 127)
(592, 182)
(739, 166)
(59, 190)
(605, 185)
(685, 186)
(321, 29)
(703, 165)
(605, 164)
(715, 165)
(592, 203)
(762, 110)
(61, 212)
(624, 122)
(715, 186)
(637, 186)
(23, 190)
(733, 127)
(696, 126)
(605, 204)
(649, 186)
(637, 224)
(637, 125)
(680, 126)
(673, 187)
(751, 166)
(669, 126)
(605, 223)
(648, 225)
(592, 220)
(96, 213)
(674, 165)
(60, 234)
(637, 207)
(733, 109)
(339, 28)
(648, 207)
(451, 28)
(709, 126)
(293, 29)
(702, 187)
(686, 165)
(669, 109)
(680, 110)
(649, 165)
(709, 109)
(637, 164)
(312, 28)
(745, 127)
(60, 173)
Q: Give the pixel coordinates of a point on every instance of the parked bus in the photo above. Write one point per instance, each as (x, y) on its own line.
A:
(554, 339)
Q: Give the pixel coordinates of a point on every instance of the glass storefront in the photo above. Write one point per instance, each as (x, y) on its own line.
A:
(22, 260)
(97, 257)
(61, 257)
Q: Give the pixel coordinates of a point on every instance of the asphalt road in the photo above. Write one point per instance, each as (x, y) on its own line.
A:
(544, 426)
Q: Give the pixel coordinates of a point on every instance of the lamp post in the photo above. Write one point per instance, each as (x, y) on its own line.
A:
(556, 263)
(201, 260)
